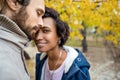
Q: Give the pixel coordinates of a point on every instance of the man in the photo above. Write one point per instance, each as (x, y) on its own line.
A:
(19, 22)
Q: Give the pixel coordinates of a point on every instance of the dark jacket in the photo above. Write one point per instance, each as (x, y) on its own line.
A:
(76, 69)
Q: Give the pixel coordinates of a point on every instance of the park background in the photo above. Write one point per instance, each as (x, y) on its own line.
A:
(95, 30)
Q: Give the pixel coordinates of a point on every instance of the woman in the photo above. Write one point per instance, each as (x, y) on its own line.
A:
(56, 61)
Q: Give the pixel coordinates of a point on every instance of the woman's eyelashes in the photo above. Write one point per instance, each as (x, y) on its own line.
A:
(46, 31)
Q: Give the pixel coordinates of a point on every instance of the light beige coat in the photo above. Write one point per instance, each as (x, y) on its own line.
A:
(12, 43)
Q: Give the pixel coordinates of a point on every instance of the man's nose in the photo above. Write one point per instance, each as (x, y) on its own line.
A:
(40, 22)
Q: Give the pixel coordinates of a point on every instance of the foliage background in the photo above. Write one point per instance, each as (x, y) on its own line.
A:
(105, 14)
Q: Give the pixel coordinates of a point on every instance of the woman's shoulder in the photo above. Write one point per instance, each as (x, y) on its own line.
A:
(81, 60)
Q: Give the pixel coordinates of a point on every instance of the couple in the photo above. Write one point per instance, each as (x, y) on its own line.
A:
(24, 20)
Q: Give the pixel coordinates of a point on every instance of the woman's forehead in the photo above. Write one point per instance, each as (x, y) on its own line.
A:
(48, 22)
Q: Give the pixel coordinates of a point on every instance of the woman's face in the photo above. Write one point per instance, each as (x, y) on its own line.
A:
(47, 39)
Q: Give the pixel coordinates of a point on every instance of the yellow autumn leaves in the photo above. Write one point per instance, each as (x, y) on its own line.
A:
(101, 14)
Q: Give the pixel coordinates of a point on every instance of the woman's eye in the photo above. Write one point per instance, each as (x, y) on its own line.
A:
(46, 31)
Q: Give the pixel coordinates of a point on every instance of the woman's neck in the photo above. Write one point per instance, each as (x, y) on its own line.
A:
(53, 54)
(56, 58)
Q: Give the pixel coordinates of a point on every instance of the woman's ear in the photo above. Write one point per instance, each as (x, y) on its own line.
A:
(13, 5)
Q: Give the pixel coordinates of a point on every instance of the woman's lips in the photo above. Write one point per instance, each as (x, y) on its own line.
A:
(41, 44)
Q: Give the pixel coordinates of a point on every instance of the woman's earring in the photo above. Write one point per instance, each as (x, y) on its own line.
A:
(59, 42)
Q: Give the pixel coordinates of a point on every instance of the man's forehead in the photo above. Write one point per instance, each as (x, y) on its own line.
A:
(38, 4)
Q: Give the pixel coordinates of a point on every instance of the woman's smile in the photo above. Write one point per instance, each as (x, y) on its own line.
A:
(41, 44)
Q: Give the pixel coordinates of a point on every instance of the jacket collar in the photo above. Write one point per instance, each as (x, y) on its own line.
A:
(70, 57)
(11, 32)
(10, 25)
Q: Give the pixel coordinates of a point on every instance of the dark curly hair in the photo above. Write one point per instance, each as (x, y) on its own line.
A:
(62, 27)
(24, 2)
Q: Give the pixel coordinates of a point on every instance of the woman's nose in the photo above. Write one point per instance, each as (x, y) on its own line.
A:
(39, 36)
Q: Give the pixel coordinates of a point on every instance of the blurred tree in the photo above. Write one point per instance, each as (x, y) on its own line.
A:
(84, 42)
(102, 13)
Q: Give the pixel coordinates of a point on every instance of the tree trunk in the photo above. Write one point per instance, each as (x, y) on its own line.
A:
(114, 50)
(84, 42)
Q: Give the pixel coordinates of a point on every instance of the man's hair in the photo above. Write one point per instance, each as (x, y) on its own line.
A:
(22, 2)
(2, 3)
(62, 28)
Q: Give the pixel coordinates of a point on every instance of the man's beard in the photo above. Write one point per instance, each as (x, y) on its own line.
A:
(20, 18)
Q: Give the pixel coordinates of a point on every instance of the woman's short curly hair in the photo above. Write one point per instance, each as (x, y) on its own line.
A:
(62, 27)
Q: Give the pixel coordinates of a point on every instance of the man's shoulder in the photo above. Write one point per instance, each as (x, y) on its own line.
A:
(7, 70)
